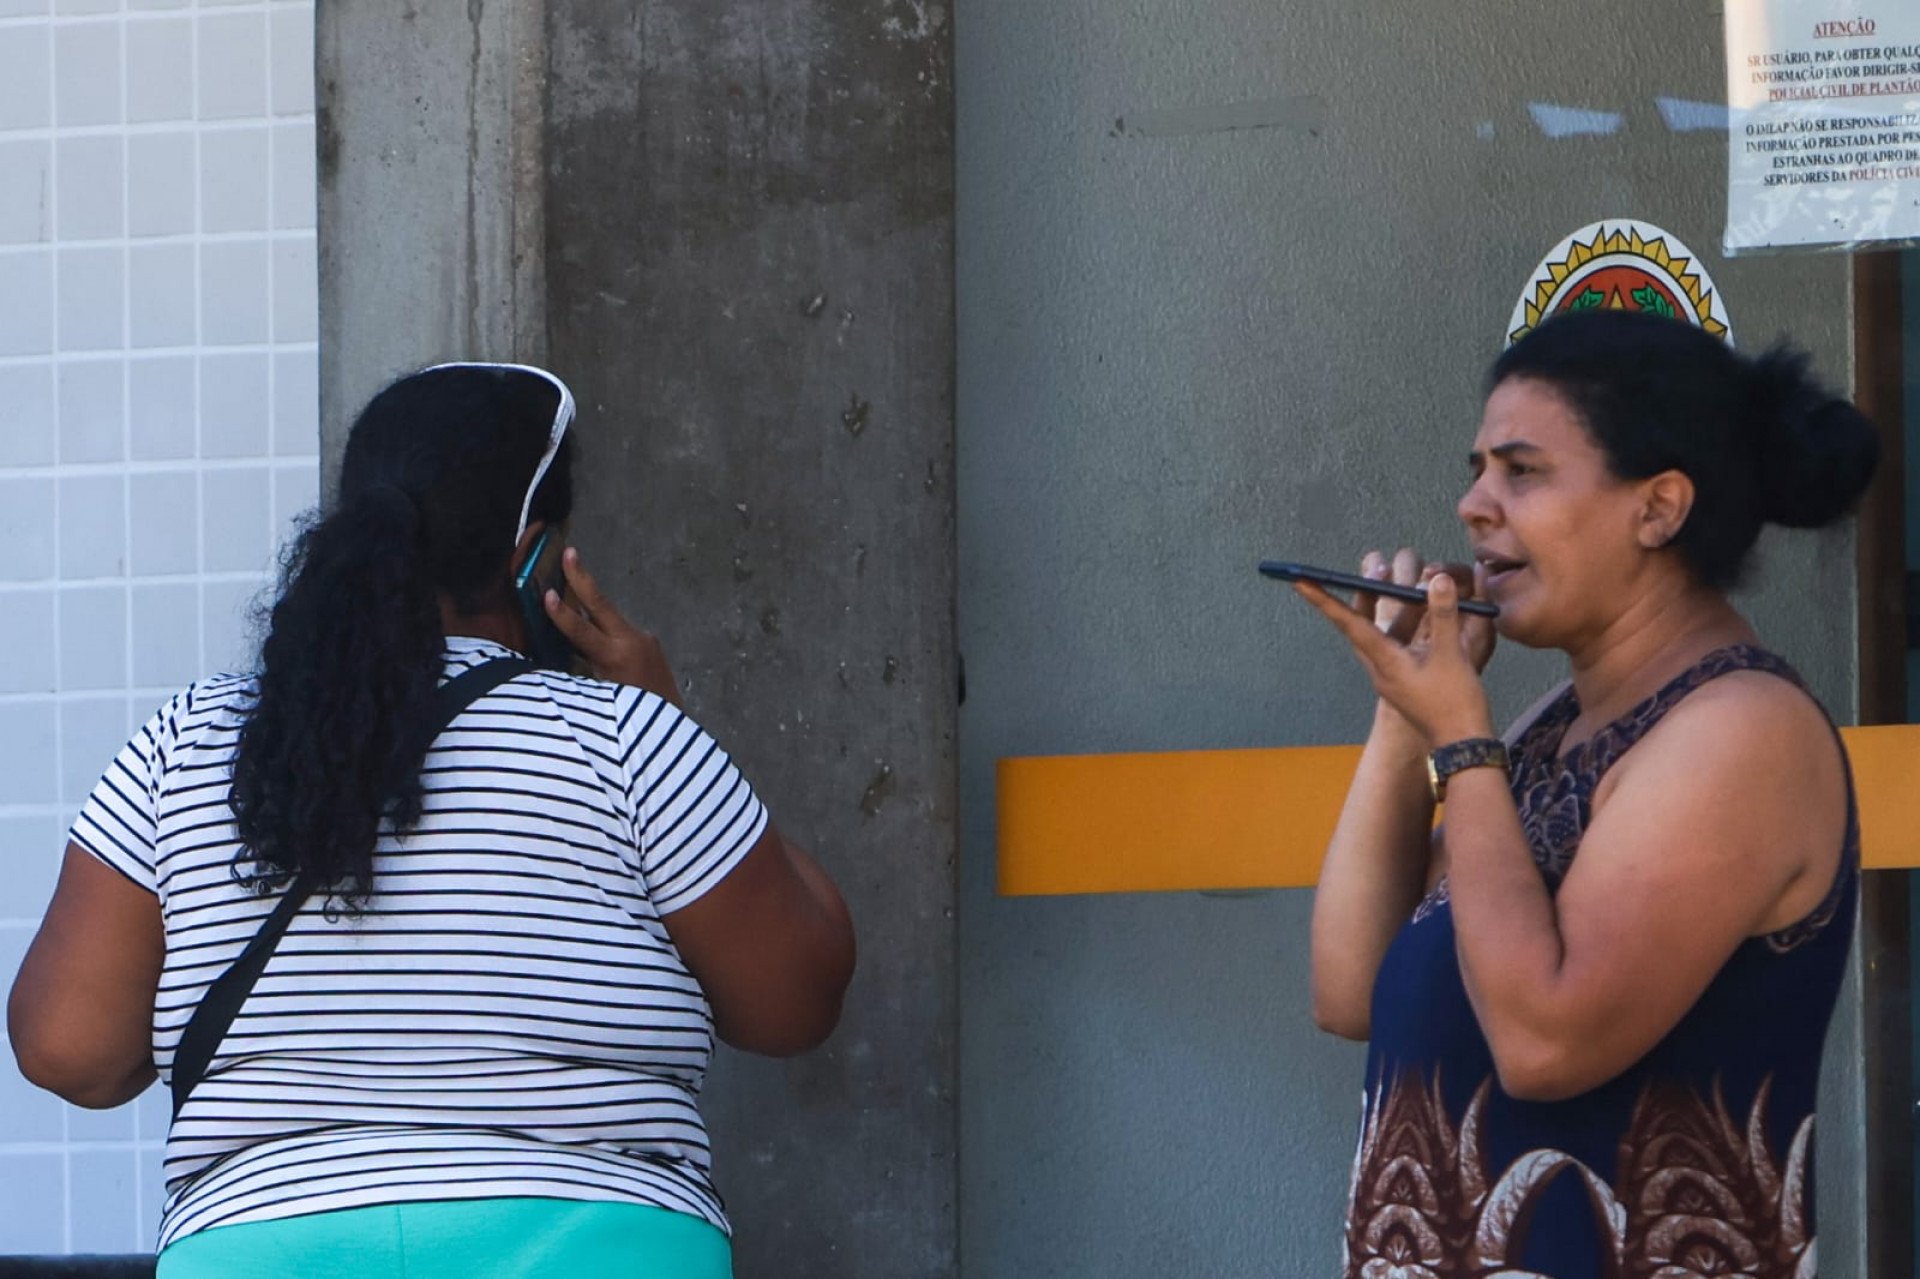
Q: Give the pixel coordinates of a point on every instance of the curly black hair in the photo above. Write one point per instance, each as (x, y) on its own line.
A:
(1762, 440)
(436, 468)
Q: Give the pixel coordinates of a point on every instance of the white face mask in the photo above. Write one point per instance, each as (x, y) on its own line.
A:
(562, 418)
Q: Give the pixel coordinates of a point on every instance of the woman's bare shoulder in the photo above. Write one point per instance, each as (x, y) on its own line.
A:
(1758, 742)
(1752, 701)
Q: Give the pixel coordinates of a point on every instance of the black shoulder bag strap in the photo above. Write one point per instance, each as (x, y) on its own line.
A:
(212, 1019)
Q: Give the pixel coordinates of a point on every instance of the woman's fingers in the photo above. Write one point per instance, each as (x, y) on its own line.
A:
(1373, 567)
(1433, 681)
(1407, 618)
(576, 626)
(585, 591)
(1443, 612)
(1367, 641)
(615, 648)
(1406, 566)
(1403, 569)
(1477, 632)
(586, 627)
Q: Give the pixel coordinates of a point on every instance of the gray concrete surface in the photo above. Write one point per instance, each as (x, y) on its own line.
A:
(729, 226)
(430, 133)
(1229, 274)
(749, 268)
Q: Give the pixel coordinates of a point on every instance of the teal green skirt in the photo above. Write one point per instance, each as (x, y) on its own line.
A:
(460, 1239)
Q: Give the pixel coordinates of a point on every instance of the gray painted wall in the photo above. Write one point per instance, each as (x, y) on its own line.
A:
(729, 226)
(1184, 347)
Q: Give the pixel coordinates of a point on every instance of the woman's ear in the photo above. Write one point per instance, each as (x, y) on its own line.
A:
(1666, 501)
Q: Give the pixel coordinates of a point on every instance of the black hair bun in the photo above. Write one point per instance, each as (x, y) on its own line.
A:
(1817, 452)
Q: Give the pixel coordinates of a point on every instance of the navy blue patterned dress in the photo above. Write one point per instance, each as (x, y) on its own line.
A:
(1696, 1162)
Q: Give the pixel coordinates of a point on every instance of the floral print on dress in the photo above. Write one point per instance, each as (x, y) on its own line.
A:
(1553, 815)
(1707, 1198)
(1696, 1196)
(1418, 1184)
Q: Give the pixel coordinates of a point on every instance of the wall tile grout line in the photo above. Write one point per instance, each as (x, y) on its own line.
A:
(106, 18)
(168, 124)
(55, 1147)
(200, 338)
(136, 16)
(251, 462)
(53, 226)
(95, 357)
(125, 589)
(41, 585)
(126, 502)
(267, 237)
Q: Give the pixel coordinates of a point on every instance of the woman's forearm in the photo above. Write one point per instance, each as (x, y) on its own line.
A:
(1507, 933)
(1374, 873)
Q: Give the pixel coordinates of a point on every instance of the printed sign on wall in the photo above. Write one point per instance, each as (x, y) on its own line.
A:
(1621, 265)
(1824, 120)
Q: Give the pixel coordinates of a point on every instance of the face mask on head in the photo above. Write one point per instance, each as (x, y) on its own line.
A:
(562, 418)
(546, 646)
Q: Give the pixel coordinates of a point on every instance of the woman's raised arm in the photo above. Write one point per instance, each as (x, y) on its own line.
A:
(1376, 868)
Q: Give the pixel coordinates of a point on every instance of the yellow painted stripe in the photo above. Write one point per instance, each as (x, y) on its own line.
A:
(1262, 818)
(1886, 776)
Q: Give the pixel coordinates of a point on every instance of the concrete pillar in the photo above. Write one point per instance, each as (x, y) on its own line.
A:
(729, 226)
(432, 191)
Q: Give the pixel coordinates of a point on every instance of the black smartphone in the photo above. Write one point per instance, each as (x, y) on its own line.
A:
(1287, 572)
(546, 645)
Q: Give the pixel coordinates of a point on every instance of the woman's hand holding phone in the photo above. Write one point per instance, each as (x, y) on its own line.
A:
(1407, 623)
(615, 648)
(1425, 662)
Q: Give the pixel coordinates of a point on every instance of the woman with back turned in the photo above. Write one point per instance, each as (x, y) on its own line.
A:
(1596, 994)
(516, 903)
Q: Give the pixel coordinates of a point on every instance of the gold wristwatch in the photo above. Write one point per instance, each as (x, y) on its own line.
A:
(1454, 757)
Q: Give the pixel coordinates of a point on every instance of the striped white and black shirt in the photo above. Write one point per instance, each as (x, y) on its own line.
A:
(508, 1017)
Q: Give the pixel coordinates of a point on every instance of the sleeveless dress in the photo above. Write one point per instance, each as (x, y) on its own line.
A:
(1695, 1162)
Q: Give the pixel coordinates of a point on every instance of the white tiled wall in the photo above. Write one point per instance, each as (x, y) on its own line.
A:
(158, 428)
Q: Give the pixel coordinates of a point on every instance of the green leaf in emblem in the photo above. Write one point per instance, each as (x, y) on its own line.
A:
(1651, 299)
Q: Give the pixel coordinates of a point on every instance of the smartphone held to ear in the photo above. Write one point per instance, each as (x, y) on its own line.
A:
(546, 646)
(1289, 572)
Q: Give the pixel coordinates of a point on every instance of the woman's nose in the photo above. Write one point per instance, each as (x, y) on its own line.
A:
(1475, 506)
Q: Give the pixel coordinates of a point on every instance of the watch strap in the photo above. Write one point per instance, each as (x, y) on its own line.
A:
(1455, 757)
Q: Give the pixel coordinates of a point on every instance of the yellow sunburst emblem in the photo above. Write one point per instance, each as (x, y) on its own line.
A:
(1621, 265)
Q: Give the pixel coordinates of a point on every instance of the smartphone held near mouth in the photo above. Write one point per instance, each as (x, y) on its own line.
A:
(1287, 571)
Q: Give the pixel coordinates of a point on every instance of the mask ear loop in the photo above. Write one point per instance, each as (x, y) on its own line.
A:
(562, 418)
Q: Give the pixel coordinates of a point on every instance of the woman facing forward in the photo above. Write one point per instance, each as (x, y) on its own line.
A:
(478, 1047)
(1596, 994)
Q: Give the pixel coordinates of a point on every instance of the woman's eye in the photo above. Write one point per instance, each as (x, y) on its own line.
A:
(1517, 469)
